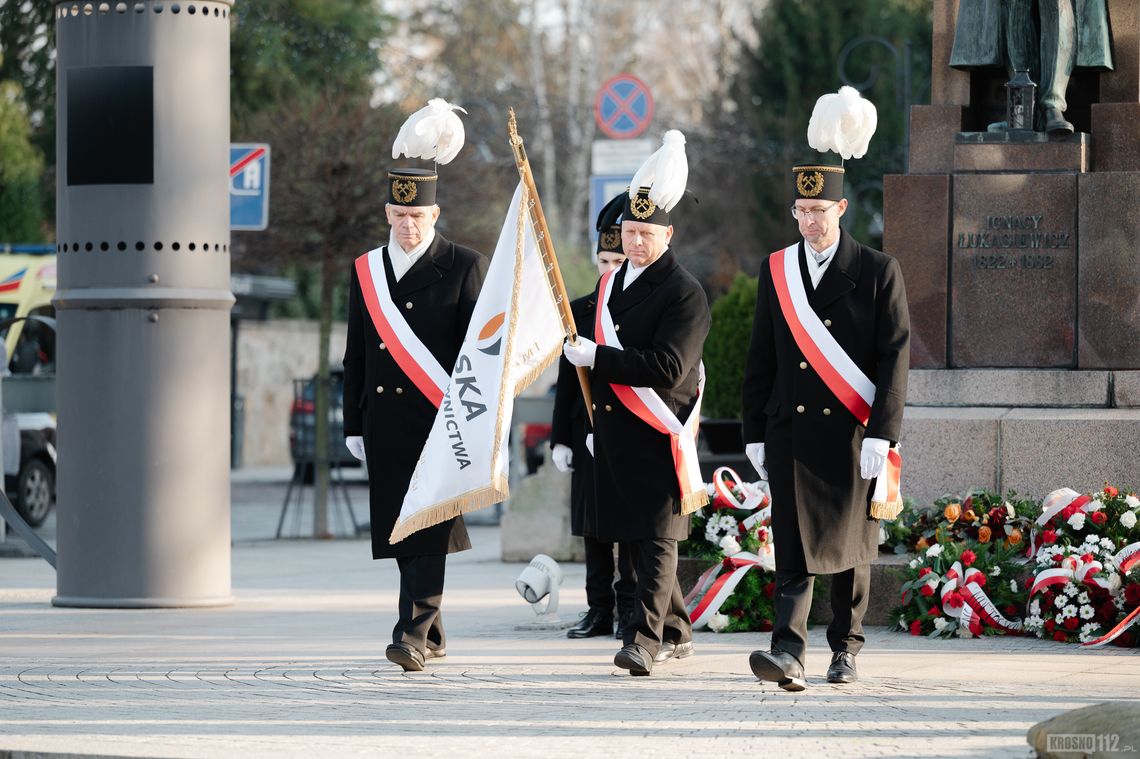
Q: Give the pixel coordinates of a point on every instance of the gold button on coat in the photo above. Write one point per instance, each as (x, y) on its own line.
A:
(803, 364)
(379, 388)
(399, 391)
(799, 409)
(408, 306)
(826, 322)
(827, 412)
(609, 407)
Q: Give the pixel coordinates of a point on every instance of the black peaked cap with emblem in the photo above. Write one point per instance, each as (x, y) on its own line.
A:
(609, 225)
(412, 187)
(817, 181)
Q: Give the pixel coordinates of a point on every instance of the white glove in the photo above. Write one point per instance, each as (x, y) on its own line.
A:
(355, 446)
(581, 354)
(563, 457)
(755, 454)
(590, 443)
(873, 459)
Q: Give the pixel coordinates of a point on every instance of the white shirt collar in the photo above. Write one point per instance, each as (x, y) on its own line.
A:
(817, 263)
(403, 260)
(633, 272)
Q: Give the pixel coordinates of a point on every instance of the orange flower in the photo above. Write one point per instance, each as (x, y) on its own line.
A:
(921, 545)
(952, 512)
(984, 534)
(1110, 491)
(968, 515)
(1014, 537)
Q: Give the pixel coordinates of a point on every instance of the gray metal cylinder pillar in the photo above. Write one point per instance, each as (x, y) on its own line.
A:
(143, 303)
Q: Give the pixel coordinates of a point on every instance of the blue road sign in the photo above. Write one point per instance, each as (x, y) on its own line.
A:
(602, 188)
(624, 107)
(249, 186)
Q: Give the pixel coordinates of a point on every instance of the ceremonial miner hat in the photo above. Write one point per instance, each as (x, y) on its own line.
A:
(659, 184)
(841, 122)
(432, 133)
(609, 225)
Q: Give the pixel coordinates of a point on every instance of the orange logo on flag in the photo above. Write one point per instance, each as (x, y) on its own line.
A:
(490, 339)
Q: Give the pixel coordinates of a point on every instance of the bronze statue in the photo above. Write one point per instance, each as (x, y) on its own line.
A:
(1048, 43)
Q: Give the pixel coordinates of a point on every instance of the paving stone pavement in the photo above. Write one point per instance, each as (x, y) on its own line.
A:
(295, 668)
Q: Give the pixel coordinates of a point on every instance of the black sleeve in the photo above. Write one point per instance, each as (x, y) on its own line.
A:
(354, 360)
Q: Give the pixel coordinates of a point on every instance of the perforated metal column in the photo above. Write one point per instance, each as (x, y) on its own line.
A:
(143, 304)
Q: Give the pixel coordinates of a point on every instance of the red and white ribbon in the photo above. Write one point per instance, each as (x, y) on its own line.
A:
(715, 586)
(984, 607)
(1116, 632)
(1127, 558)
(647, 406)
(1071, 570)
(1054, 504)
(841, 374)
(409, 352)
(727, 482)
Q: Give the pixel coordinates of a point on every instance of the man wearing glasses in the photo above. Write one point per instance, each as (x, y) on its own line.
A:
(824, 389)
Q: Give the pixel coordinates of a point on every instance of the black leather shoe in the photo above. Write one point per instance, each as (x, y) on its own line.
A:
(778, 667)
(673, 651)
(406, 656)
(435, 653)
(842, 669)
(624, 622)
(593, 623)
(636, 659)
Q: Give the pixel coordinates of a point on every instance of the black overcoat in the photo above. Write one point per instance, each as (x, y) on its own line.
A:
(437, 295)
(662, 321)
(570, 425)
(820, 503)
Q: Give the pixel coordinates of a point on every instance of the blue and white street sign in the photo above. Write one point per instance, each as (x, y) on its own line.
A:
(249, 186)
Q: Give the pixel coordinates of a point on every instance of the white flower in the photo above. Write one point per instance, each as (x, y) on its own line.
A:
(1128, 519)
(1013, 585)
(1069, 590)
(1087, 612)
(964, 632)
(719, 526)
(1083, 598)
(1095, 505)
(913, 564)
(1059, 618)
(1114, 583)
(940, 624)
(1077, 521)
(1034, 606)
(995, 572)
(1132, 501)
(1034, 623)
(1059, 601)
(934, 550)
(1090, 627)
(1107, 544)
(729, 545)
(718, 622)
(1085, 637)
(710, 489)
(1069, 611)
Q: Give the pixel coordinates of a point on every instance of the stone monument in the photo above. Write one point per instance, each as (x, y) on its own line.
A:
(1019, 250)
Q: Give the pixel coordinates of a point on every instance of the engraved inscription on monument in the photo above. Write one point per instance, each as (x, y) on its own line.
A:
(1013, 270)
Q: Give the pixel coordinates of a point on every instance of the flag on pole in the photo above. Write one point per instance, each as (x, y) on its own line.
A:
(515, 333)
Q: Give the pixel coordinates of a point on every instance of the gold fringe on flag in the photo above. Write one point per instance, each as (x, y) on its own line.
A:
(461, 504)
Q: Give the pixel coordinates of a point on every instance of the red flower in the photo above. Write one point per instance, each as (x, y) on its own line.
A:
(1049, 625)
(1132, 594)
(737, 613)
(980, 579)
(1011, 610)
(1049, 536)
(1060, 637)
(1110, 491)
(916, 627)
(1069, 510)
(1087, 558)
(934, 611)
(968, 557)
(1072, 623)
(765, 625)
(1106, 613)
(927, 590)
(924, 571)
(1098, 517)
(953, 600)
(976, 626)
(770, 589)
(1058, 558)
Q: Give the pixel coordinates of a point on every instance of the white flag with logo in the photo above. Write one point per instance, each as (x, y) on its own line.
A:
(515, 333)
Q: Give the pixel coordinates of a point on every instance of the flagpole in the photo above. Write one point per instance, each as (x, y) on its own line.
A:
(549, 260)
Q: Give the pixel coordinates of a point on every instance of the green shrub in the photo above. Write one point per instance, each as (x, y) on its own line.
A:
(726, 348)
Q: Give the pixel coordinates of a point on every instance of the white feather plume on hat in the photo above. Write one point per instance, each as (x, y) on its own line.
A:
(432, 132)
(665, 173)
(843, 122)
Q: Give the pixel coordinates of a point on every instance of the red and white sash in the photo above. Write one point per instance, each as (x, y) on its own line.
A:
(839, 372)
(411, 355)
(648, 406)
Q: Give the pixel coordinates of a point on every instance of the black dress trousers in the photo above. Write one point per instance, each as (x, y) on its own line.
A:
(421, 591)
(659, 608)
(601, 590)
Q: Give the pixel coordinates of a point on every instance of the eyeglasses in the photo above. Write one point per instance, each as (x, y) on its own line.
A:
(811, 213)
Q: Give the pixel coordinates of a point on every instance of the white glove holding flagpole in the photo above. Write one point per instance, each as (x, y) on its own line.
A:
(581, 354)
(434, 132)
(355, 446)
(563, 457)
(873, 458)
(755, 454)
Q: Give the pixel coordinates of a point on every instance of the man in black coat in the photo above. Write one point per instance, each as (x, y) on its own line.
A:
(430, 286)
(569, 427)
(660, 314)
(820, 459)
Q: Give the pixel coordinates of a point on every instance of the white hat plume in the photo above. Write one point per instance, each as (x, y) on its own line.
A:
(432, 132)
(843, 122)
(665, 173)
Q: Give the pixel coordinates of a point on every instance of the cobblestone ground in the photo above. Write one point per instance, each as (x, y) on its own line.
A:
(295, 668)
